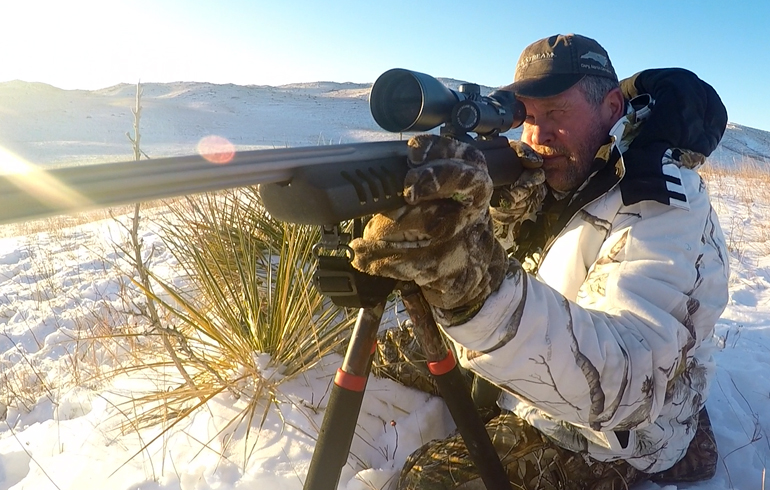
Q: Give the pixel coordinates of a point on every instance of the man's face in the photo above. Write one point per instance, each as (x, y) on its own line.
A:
(567, 131)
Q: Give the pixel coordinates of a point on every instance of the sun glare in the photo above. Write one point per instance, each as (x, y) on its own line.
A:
(31, 184)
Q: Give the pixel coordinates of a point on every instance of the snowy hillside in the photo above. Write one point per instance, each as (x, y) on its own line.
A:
(47, 125)
(741, 141)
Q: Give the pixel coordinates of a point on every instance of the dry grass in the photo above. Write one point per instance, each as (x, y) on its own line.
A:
(250, 281)
(740, 194)
(73, 346)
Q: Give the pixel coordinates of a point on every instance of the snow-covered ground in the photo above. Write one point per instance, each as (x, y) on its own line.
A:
(64, 429)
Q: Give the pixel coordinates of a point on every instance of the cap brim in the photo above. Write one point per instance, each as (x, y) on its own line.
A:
(547, 86)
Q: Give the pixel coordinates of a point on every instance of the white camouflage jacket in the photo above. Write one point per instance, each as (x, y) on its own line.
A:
(606, 349)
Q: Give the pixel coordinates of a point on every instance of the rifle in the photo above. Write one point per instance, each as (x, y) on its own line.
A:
(324, 186)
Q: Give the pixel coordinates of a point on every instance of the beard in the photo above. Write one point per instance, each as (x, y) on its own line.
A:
(576, 164)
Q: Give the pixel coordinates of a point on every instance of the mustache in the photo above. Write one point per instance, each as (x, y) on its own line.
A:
(550, 151)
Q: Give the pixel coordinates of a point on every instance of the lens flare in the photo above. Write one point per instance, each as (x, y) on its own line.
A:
(39, 184)
(216, 149)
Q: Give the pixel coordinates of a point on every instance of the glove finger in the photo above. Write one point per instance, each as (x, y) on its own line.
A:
(426, 223)
(529, 181)
(528, 157)
(409, 234)
(448, 179)
(528, 191)
(466, 271)
(518, 203)
(382, 258)
(450, 273)
(400, 226)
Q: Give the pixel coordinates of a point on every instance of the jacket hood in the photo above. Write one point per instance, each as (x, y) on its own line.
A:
(687, 116)
(688, 112)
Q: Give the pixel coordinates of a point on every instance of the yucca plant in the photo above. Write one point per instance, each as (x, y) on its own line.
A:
(246, 291)
(251, 281)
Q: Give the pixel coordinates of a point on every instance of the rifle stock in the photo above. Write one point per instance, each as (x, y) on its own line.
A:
(330, 194)
(309, 185)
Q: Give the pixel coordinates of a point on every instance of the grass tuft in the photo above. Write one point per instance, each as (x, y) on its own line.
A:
(250, 282)
(243, 315)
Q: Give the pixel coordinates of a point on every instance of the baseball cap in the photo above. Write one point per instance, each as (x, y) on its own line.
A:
(552, 65)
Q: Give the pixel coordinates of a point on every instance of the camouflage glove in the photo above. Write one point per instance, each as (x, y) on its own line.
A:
(443, 238)
(520, 201)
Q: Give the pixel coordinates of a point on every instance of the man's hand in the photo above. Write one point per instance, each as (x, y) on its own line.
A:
(443, 238)
(520, 201)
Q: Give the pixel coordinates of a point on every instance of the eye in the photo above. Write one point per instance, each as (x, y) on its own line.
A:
(555, 113)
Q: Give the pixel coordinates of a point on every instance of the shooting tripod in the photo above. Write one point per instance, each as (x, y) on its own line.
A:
(336, 278)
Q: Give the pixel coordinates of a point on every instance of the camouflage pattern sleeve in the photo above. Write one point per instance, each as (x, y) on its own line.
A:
(608, 336)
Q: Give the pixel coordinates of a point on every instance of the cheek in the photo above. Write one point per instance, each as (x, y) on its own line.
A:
(575, 137)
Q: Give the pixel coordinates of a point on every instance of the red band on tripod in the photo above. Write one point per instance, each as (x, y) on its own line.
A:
(443, 366)
(350, 382)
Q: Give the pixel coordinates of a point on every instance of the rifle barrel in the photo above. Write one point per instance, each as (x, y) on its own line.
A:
(35, 192)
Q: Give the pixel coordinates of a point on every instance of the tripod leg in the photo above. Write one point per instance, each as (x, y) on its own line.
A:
(454, 390)
(347, 393)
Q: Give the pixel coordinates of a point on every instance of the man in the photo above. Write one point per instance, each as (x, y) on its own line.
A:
(596, 326)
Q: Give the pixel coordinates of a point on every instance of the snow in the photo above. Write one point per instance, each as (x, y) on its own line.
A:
(58, 283)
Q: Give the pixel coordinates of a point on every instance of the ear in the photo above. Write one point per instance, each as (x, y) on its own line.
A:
(613, 105)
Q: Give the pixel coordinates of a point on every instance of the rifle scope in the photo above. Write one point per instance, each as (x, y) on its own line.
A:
(404, 100)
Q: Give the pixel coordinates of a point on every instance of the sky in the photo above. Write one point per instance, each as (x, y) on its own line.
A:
(90, 44)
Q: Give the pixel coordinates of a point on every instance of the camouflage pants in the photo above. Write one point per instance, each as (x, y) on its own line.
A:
(400, 358)
(532, 461)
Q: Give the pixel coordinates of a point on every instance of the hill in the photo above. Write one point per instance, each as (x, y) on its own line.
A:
(49, 126)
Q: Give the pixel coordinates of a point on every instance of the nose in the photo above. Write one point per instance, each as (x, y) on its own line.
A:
(536, 134)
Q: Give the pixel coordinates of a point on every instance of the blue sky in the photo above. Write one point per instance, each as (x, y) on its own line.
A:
(92, 44)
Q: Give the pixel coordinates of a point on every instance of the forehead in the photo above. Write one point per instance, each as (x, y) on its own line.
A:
(573, 97)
